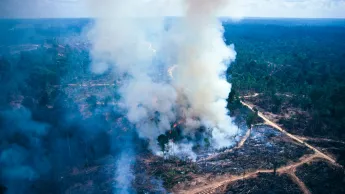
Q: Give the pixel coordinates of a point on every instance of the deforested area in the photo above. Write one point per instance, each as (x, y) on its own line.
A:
(136, 99)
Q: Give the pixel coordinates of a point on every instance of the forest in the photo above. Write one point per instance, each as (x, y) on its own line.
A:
(297, 68)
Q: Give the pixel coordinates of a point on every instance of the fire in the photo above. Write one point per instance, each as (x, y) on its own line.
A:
(178, 123)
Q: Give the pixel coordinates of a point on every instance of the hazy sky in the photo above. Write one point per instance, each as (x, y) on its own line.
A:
(239, 8)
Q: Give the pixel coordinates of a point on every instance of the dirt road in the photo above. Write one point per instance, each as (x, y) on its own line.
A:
(296, 138)
(219, 184)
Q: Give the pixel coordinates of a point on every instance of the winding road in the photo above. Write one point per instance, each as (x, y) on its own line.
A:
(296, 138)
(219, 184)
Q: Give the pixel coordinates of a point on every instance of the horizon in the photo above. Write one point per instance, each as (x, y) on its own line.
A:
(234, 9)
(220, 17)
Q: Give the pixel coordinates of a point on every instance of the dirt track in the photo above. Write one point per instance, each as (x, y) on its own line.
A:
(296, 138)
(218, 185)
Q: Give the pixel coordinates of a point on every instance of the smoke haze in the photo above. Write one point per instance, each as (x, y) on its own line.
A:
(51, 126)
(143, 49)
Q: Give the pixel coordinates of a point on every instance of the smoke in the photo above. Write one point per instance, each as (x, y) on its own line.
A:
(46, 131)
(43, 135)
(124, 174)
(124, 151)
(181, 150)
(21, 159)
(132, 38)
(202, 58)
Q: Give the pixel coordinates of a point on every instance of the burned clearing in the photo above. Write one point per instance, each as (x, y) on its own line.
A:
(264, 183)
(261, 156)
(264, 149)
(335, 148)
(321, 177)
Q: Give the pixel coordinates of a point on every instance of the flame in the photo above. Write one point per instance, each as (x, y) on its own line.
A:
(178, 123)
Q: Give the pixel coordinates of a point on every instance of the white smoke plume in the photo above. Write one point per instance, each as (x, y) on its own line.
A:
(143, 49)
(202, 59)
(182, 150)
(123, 174)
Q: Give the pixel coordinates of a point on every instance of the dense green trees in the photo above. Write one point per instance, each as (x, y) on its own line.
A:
(251, 118)
(162, 141)
(293, 66)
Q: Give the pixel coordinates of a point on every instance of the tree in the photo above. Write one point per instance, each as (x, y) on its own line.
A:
(232, 96)
(275, 167)
(277, 102)
(207, 142)
(162, 141)
(251, 118)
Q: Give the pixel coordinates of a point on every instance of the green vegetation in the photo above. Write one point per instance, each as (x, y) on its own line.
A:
(240, 112)
(251, 118)
(162, 141)
(297, 70)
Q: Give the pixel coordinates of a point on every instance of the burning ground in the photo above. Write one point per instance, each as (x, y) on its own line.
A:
(262, 156)
(264, 149)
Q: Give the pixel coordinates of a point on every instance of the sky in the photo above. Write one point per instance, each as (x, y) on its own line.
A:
(236, 9)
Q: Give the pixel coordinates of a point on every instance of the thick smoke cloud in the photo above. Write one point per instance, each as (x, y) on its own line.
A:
(143, 50)
(202, 59)
(43, 133)
(123, 174)
(46, 131)
(24, 160)
(33, 151)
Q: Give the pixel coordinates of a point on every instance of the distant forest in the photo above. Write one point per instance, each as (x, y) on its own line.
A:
(298, 70)
(296, 66)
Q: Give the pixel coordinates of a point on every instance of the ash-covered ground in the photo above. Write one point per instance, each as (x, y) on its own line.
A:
(264, 149)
